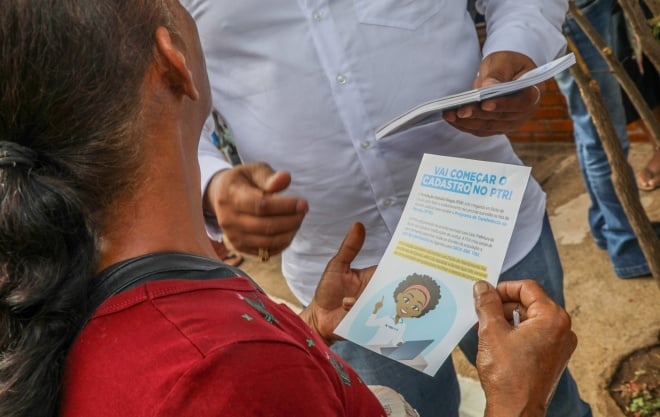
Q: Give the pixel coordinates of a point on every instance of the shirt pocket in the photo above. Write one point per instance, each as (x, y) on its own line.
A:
(404, 14)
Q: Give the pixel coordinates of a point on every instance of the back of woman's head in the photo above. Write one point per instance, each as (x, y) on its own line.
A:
(71, 73)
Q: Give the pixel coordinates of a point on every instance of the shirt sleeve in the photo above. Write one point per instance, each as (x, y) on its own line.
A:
(211, 162)
(254, 379)
(531, 27)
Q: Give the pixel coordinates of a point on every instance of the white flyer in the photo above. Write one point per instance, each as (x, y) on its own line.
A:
(454, 231)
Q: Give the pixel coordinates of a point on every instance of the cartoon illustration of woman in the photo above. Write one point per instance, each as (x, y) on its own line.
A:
(414, 297)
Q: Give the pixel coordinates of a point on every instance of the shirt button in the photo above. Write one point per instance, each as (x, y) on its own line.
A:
(317, 16)
(387, 202)
(365, 144)
(341, 79)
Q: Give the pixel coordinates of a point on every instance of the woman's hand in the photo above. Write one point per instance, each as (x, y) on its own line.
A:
(339, 287)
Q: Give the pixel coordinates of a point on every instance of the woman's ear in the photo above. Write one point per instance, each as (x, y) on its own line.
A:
(172, 66)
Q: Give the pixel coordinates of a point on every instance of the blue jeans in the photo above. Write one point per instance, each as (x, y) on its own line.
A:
(439, 396)
(543, 265)
(431, 396)
(607, 220)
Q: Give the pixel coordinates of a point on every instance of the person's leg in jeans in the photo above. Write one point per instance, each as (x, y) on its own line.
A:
(436, 396)
(607, 220)
(543, 265)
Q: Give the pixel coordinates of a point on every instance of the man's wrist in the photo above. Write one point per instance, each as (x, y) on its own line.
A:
(207, 205)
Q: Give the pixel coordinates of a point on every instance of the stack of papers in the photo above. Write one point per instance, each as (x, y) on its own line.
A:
(432, 110)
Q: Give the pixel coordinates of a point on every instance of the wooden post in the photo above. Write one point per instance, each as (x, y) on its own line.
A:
(619, 72)
(622, 177)
(635, 15)
(654, 7)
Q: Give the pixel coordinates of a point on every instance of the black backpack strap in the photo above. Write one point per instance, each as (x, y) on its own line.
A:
(157, 266)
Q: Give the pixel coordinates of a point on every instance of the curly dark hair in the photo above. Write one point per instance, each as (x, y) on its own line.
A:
(425, 281)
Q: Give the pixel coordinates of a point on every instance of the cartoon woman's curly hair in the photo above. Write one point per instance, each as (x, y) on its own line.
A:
(421, 282)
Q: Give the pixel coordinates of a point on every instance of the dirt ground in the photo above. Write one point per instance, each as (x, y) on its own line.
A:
(636, 384)
(612, 317)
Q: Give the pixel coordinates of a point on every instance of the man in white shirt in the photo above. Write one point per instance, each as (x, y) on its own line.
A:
(304, 84)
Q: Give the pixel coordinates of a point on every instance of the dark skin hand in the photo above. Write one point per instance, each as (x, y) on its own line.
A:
(250, 210)
(339, 287)
(499, 115)
(519, 367)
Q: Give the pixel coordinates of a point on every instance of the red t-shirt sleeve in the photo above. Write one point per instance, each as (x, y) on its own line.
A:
(258, 379)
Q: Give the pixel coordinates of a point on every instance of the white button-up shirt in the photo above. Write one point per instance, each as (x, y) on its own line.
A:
(303, 84)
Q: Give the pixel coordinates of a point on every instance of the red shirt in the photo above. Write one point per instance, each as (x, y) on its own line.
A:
(206, 348)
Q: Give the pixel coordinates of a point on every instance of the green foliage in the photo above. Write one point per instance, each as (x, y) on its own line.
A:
(645, 407)
(655, 26)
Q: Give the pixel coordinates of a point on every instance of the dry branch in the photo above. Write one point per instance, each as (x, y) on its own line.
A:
(622, 177)
(619, 72)
(635, 16)
(654, 7)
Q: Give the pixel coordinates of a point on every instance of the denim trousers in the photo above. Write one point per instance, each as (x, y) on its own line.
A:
(607, 220)
(439, 395)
